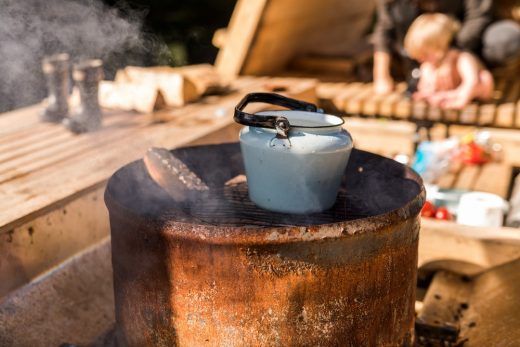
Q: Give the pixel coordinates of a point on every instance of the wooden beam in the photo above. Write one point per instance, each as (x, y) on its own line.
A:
(240, 35)
(264, 36)
(506, 110)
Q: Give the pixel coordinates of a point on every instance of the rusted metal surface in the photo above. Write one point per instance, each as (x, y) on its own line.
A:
(231, 274)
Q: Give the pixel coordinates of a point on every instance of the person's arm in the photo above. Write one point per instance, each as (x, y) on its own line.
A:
(468, 69)
(383, 81)
(478, 14)
(382, 39)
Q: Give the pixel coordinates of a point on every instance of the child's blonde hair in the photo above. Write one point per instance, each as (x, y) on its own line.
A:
(430, 30)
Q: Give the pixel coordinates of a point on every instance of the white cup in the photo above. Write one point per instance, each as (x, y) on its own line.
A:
(481, 209)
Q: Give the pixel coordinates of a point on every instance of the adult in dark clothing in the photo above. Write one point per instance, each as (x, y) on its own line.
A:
(495, 42)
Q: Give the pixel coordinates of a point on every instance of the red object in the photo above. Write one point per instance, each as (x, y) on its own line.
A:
(474, 154)
(443, 213)
(428, 210)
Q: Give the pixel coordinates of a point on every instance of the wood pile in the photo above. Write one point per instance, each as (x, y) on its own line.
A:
(145, 89)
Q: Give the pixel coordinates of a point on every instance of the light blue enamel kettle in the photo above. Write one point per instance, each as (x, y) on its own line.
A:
(294, 159)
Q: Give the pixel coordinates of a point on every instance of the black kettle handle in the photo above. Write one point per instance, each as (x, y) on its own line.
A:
(280, 123)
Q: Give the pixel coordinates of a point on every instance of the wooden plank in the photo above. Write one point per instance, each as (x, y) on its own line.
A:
(451, 116)
(10, 121)
(488, 110)
(506, 110)
(419, 110)
(492, 317)
(449, 179)
(23, 137)
(440, 316)
(345, 94)
(43, 242)
(487, 114)
(323, 64)
(240, 35)
(470, 310)
(60, 309)
(505, 115)
(59, 139)
(435, 114)
(443, 244)
(368, 135)
(52, 155)
(372, 106)
(403, 108)
(27, 190)
(495, 178)
(517, 115)
(469, 114)
(467, 177)
(387, 107)
(354, 104)
(327, 96)
(279, 31)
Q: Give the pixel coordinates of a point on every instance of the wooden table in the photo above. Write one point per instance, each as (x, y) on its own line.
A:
(52, 181)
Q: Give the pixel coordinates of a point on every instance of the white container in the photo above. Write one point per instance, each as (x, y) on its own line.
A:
(295, 163)
(481, 209)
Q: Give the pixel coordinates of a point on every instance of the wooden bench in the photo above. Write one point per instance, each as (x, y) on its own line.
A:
(358, 99)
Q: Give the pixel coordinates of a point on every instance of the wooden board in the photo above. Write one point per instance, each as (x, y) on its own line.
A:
(72, 303)
(474, 311)
(264, 36)
(447, 245)
(358, 99)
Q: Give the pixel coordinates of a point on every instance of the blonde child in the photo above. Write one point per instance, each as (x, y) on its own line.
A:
(428, 41)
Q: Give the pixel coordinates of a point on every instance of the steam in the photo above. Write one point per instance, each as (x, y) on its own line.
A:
(31, 29)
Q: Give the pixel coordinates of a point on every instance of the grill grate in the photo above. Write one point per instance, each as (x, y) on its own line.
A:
(231, 206)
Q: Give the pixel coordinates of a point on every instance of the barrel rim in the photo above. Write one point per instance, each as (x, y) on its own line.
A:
(260, 235)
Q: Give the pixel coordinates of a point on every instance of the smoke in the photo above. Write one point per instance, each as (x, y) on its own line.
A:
(31, 29)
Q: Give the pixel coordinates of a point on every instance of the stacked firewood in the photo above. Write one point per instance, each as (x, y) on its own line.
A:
(147, 89)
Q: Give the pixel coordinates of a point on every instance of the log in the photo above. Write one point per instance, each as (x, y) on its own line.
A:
(144, 98)
(178, 86)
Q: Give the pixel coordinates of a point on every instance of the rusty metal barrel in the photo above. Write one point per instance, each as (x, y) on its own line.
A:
(219, 271)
